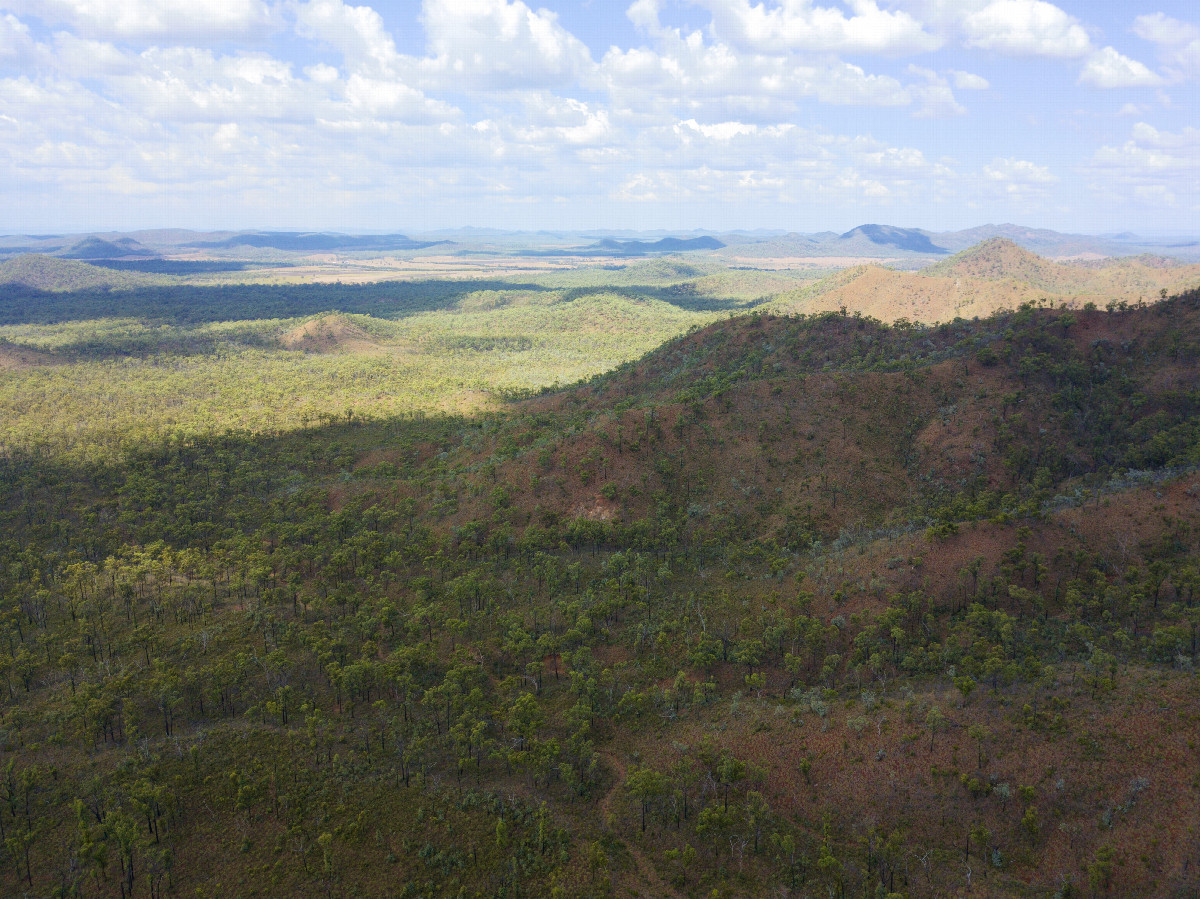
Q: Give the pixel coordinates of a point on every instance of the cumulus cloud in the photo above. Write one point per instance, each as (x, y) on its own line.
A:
(155, 20)
(15, 43)
(792, 165)
(1154, 168)
(1160, 28)
(1026, 28)
(966, 81)
(935, 95)
(357, 32)
(713, 79)
(1178, 42)
(644, 14)
(1109, 69)
(383, 98)
(1149, 136)
(1018, 178)
(800, 25)
(505, 105)
(503, 43)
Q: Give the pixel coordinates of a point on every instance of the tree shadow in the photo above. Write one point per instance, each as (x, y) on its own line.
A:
(191, 304)
(205, 304)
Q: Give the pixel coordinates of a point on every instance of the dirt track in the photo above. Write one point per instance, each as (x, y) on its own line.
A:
(646, 871)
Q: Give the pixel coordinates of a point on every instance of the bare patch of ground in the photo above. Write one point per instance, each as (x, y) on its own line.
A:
(14, 357)
(330, 334)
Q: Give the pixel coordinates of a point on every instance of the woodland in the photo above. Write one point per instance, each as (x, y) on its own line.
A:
(667, 579)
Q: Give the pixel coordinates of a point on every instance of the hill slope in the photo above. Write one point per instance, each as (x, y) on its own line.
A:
(38, 272)
(1000, 258)
(996, 274)
(787, 606)
(98, 248)
(909, 240)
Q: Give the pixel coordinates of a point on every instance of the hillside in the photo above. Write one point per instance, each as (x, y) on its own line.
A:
(1000, 258)
(910, 240)
(98, 248)
(39, 272)
(994, 275)
(786, 606)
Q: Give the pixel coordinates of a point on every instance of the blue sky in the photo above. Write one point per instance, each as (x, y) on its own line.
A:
(419, 114)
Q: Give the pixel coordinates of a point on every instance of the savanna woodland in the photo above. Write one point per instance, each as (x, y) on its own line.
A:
(645, 580)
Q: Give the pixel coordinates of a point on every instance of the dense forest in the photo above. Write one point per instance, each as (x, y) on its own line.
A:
(785, 606)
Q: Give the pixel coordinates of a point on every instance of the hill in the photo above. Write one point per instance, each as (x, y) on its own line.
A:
(1000, 258)
(98, 248)
(907, 239)
(787, 605)
(39, 272)
(329, 334)
(996, 274)
(1039, 240)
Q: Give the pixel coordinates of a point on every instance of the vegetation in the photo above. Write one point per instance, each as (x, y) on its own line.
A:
(90, 372)
(787, 606)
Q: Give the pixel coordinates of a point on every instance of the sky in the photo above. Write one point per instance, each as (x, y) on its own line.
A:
(414, 115)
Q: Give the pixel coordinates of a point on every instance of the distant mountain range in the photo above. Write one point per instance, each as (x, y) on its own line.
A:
(317, 242)
(885, 241)
(914, 246)
(154, 243)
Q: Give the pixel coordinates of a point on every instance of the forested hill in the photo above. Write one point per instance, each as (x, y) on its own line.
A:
(790, 606)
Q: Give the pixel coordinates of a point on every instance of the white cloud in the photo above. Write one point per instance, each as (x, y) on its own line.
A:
(1017, 177)
(1159, 28)
(966, 81)
(1178, 42)
(154, 20)
(722, 131)
(503, 43)
(943, 16)
(1148, 135)
(383, 98)
(357, 32)
(936, 97)
(1156, 195)
(686, 74)
(799, 25)
(322, 73)
(15, 42)
(1109, 69)
(1026, 28)
(1153, 169)
(640, 188)
(725, 115)
(552, 124)
(644, 14)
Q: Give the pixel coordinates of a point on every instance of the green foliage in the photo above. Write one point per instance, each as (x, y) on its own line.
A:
(382, 648)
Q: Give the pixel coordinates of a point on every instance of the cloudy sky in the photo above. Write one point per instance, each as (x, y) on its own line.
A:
(417, 114)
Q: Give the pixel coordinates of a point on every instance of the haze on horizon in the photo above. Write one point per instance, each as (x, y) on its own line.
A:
(657, 114)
